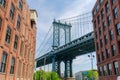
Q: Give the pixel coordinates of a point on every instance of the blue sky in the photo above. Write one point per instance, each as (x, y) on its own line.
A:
(60, 9)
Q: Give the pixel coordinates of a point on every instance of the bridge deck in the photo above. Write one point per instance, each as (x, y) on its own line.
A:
(80, 46)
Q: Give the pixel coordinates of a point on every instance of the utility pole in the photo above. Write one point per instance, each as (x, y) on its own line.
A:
(91, 58)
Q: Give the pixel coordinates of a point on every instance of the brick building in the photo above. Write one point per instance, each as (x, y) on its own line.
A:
(106, 20)
(17, 40)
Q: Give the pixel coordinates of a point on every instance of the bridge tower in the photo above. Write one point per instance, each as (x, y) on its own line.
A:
(56, 33)
(57, 25)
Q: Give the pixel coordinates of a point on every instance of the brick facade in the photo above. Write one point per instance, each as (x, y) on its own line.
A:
(26, 44)
(106, 19)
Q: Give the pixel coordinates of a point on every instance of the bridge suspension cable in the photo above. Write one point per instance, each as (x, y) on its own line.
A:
(42, 44)
(81, 24)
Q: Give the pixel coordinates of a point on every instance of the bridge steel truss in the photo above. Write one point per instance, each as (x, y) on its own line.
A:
(56, 33)
(67, 53)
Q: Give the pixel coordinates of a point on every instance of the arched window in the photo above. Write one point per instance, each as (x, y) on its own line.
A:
(20, 4)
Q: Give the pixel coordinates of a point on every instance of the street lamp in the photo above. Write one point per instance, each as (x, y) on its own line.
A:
(91, 58)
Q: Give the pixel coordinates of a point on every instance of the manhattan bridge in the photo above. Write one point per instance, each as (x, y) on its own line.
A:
(65, 40)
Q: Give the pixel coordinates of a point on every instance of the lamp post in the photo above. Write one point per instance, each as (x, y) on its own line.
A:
(91, 58)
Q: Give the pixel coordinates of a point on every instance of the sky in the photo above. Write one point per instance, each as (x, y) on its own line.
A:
(60, 9)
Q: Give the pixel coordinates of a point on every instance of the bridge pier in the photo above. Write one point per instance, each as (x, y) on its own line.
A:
(68, 75)
(71, 72)
(68, 68)
(53, 64)
(56, 66)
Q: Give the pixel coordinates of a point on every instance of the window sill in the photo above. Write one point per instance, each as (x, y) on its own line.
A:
(11, 74)
(3, 73)
(7, 44)
(2, 8)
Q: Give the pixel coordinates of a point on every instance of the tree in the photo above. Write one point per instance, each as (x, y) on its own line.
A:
(42, 75)
(95, 74)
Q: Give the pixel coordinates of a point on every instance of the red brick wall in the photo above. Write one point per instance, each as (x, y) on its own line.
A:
(26, 34)
(106, 32)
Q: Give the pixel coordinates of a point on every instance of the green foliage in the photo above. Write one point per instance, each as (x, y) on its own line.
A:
(95, 74)
(42, 75)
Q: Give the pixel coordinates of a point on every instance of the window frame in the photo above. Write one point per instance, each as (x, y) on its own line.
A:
(3, 3)
(18, 22)
(104, 70)
(109, 20)
(15, 42)
(3, 62)
(111, 35)
(107, 7)
(107, 53)
(0, 23)
(118, 28)
(12, 65)
(12, 9)
(102, 14)
(20, 5)
(116, 70)
(109, 69)
(115, 13)
(8, 35)
(113, 50)
(106, 39)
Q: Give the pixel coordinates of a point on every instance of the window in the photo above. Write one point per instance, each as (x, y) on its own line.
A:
(101, 43)
(2, 3)
(102, 14)
(113, 1)
(94, 13)
(103, 57)
(111, 35)
(119, 46)
(97, 46)
(104, 70)
(8, 35)
(104, 26)
(107, 7)
(0, 22)
(109, 69)
(107, 53)
(115, 13)
(20, 4)
(100, 31)
(106, 39)
(113, 50)
(15, 42)
(3, 62)
(96, 35)
(100, 71)
(18, 22)
(12, 65)
(98, 58)
(118, 28)
(116, 67)
(94, 24)
(97, 8)
(12, 11)
(109, 20)
(98, 19)
(100, 1)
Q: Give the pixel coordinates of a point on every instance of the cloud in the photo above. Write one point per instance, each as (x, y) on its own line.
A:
(60, 9)
(77, 7)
